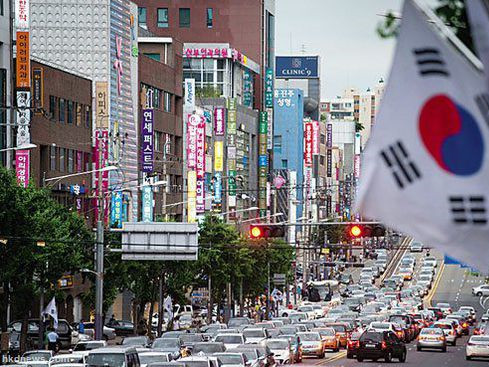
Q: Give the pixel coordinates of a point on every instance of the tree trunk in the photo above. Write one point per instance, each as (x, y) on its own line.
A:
(150, 319)
(135, 316)
(23, 334)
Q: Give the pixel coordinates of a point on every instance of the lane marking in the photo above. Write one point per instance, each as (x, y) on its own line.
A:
(435, 285)
(332, 359)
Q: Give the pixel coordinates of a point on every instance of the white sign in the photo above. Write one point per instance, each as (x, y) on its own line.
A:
(23, 118)
(22, 14)
(189, 93)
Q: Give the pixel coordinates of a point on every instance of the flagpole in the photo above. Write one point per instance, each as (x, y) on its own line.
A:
(447, 33)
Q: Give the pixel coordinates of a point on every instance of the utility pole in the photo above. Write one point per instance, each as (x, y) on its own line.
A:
(165, 218)
(210, 307)
(99, 249)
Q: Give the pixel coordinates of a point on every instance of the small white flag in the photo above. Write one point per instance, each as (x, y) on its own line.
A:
(478, 13)
(52, 311)
(168, 306)
(426, 165)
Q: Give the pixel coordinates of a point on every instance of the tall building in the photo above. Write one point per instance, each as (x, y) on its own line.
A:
(5, 83)
(248, 26)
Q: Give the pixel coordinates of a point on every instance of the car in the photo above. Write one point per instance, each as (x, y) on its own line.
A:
(64, 331)
(416, 247)
(481, 290)
(444, 307)
(312, 344)
(432, 338)
(380, 327)
(121, 356)
(200, 361)
(477, 346)
(168, 345)
(331, 341)
(236, 322)
(254, 335)
(264, 353)
(448, 330)
(208, 347)
(232, 359)
(282, 350)
(462, 323)
(151, 357)
(470, 310)
(406, 273)
(376, 345)
(230, 340)
(308, 310)
(298, 317)
(108, 332)
(136, 341)
(341, 331)
(121, 327)
(37, 355)
(88, 345)
(71, 358)
(353, 343)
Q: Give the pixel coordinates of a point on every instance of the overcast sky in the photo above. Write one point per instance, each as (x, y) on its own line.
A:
(343, 33)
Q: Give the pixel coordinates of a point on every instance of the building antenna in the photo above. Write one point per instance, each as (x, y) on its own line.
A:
(303, 49)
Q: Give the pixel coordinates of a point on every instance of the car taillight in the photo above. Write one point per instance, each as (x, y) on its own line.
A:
(384, 345)
(399, 334)
(470, 343)
(476, 332)
(451, 332)
(441, 338)
(464, 324)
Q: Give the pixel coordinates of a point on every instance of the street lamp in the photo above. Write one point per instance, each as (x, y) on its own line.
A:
(265, 217)
(20, 147)
(59, 178)
(240, 210)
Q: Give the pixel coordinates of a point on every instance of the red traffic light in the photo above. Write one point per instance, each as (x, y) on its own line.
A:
(356, 231)
(256, 232)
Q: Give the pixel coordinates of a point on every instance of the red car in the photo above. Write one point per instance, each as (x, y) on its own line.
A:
(352, 344)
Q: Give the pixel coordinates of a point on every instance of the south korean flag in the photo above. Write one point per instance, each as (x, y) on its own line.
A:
(426, 165)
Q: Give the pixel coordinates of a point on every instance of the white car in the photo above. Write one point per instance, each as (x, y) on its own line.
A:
(477, 346)
(481, 290)
(255, 335)
(381, 326)
(230, 340)
(308, 310)
(416, 247)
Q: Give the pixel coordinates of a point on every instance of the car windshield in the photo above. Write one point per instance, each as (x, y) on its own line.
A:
(230, 358)
(196, 363)
(254, 333)
(251, 354)
(105, 359)
(166, 343)
(38, 356)
(443, 305)
(237, 322)
(229, 339)
(87, 346)
(66, 358)
(277, 344)
(310, 336)
(208, 348)
(480, 339)
(190, 338)
(135, 341)
(287, 330)
(443, 326)
(338, 328)
(305, 308)
(431, 331)
(379, 325)
(144, 358)
(371, 337)
(327, 332)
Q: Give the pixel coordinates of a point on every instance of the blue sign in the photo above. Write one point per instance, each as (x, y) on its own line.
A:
(116, 209)
(125, 207)
(297, 67)
(262, 161)
(147, 203)
(77, 189)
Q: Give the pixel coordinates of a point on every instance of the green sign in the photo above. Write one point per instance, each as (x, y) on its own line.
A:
(269, 88)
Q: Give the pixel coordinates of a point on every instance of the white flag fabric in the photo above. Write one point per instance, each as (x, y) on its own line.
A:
(426, 165)
(52, 311)
(478, 13)
(168, 306)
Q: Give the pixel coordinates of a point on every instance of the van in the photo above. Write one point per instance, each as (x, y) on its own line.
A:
(113, 357)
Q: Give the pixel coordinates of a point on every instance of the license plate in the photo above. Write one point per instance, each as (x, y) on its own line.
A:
(370, 345)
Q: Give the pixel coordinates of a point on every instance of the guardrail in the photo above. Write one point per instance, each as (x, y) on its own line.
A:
(394, 261)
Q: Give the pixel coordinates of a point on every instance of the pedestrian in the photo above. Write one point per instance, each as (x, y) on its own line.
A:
(176, 323)
(52, 340)
(112, 320)
(81, 327)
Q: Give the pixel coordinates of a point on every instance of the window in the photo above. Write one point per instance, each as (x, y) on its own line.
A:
(153, 56)
(53, 103)
(62, 110)
(167, 102)
(78, 113)
(277, 143)
(210, 17)
(323, 139)
(184, 17)
(52, 158)
(284, 163)
(70, 160)
(70, 111)
(157, 141)
(321, 160)
(88, 116)
(142, 17)
(61, 159)
(162, 17)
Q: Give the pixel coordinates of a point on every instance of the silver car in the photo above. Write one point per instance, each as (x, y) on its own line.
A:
(477, 346)
(432, 338)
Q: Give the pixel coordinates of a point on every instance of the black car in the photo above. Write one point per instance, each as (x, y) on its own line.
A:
(121, 327)
(377, 345)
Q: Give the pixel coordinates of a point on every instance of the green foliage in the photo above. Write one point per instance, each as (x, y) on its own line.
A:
(207, 92)
(30, 215)
(389, 27)
(358, 127)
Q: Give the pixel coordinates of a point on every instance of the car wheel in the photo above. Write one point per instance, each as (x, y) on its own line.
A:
(388, 357)
(454, 343)
(402, 358)
(444, 349)
(468, 358)
(349, 356)
(360, 359)
(336, 350)
(106, 338)
(418, 349)
(478, 294)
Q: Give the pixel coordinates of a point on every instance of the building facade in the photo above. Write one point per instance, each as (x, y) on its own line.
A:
(249, 26)
(6, 116)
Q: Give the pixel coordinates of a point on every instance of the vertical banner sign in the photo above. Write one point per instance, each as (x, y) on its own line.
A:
(21, 14)
(269, 128)
(147, 203)
(189, 89)
(231, 143)
(22, 167)
(193, 122)
(356, 166)
(308, 149)
(329, 152)
(269, 88)
(219, 121)
(218, 156)
(192, 194)
(116, 209)
(101, 105)
(262, 162)
(218, 188)
(23, 117)
(315, 137)
(100, 157)
(147, 123)
(247, 89)
(200, 196)
(200, 148)
(23, 61)
(38, 88)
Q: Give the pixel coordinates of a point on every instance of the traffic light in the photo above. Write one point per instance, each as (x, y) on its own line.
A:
(258, 231)
(369, 230)
(356, 231)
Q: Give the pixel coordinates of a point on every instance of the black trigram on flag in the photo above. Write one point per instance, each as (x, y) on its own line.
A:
(430, 62)
(482, 101)
(468, 210)
(397, 159)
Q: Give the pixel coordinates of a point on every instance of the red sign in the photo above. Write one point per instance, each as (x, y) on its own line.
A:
(196, 144)
(22, 167)
(308, 143)
(100, 158)
(315, 137)
(201, 149)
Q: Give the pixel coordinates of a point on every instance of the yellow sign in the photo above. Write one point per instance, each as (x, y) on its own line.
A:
(101, 105)
(218, 156)
(192, 193)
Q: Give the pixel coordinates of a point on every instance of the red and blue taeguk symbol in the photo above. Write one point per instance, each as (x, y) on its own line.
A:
(451, 135)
